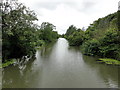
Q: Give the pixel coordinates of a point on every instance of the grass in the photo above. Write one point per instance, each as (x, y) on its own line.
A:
(3, 65)
(109, 61)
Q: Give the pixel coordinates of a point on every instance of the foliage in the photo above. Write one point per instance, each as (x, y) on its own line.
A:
(76, 38)
(109, 61)
(70, 30)
(20, 34)
(105, 32)
(17, 30)
(110, 45)
(102, 37)
(48, 34)
(91, 47)
(9, 62)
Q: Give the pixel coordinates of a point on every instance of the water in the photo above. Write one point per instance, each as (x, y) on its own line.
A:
(60, 66)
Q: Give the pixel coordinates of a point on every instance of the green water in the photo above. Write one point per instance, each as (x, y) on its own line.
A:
(60, 66)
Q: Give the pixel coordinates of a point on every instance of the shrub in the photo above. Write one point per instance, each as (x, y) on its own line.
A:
(91, 47)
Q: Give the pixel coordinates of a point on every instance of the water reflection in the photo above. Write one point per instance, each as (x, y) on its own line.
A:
(0, 79)
(107, 72)
(60, 66)
(14, 77)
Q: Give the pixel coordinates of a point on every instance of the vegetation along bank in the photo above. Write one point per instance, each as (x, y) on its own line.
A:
(102, 38)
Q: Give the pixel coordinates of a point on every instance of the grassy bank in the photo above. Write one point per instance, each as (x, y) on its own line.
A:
(8, 63)
(109, 61)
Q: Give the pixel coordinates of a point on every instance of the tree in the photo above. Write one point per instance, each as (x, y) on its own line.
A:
(48, 35)
(70, 30)
(20, 35)
(77, 38)
(17, 29)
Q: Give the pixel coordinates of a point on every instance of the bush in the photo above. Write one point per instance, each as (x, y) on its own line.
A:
(91, 47)
(110, 45)
(76, 39)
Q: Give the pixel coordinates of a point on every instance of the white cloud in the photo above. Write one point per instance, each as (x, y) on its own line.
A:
(63, 13)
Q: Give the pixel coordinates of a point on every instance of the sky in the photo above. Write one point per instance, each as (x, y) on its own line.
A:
(63, 13)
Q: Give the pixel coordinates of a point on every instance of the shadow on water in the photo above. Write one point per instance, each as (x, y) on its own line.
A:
(14, 77)
(108, 73)
(0, 75)
(47, 49)
(21, 75)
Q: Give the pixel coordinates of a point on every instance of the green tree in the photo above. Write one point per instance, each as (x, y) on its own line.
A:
(20, 35)
(110, 45)
(48, 35)
(77, 38)
(18, 30)
(70, 30)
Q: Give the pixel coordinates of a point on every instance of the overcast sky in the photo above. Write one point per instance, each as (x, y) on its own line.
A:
(63, 13)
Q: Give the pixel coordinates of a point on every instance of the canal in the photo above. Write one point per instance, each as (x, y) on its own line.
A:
(60, 66)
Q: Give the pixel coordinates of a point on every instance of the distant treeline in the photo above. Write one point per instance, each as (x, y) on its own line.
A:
(20, 35)
(102, 38)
